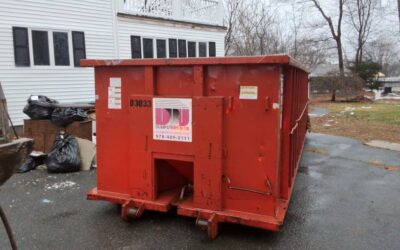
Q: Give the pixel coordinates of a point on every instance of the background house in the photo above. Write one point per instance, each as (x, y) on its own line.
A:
(42, 42)
(390, 84)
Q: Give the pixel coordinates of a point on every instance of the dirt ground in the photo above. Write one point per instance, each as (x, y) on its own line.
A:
(364, 121)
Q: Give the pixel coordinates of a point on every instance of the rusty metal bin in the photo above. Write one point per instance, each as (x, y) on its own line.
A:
(219, 138)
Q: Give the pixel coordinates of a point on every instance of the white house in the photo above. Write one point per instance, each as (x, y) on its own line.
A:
(41, 41)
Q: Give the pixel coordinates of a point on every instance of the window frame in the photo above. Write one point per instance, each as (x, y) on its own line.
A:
(50, 38)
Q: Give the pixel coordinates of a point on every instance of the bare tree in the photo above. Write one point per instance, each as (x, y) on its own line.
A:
(384, 51)
(232, 8)
(361, 17)
(398, 7)
(336, 32)
(311, 51)
(254, 30)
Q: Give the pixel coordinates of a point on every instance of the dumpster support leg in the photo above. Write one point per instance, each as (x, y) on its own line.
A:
(211, 225)
(129, 211)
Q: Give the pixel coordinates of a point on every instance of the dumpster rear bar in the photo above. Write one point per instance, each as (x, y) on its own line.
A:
(219, 138)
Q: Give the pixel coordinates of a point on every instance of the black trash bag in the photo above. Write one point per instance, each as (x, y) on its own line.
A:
(39, 107)
(30, 164)
(64, 155)
(64, 116)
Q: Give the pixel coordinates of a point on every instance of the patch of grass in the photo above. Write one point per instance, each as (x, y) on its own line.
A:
(365, 121)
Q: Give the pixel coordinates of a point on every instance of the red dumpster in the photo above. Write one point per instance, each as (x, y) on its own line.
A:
(219, 138)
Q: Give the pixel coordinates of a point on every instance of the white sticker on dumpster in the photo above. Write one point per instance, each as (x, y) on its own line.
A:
(248, 92)
(114, 93)
(172, 119)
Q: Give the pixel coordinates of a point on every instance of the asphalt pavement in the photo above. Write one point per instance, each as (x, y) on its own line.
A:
(346, 196)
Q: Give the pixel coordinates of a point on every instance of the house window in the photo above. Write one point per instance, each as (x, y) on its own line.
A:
(40, 45)
(202, 49)
(191, 49)
(211, 49)
(182, 48)
(161, 48)
(148, 48)
(21, 46)
(173, 48)
(136, 47)
(79, 48)
(61, 48)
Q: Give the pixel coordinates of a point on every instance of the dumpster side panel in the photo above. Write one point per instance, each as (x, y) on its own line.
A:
(250, 128)
(295, 110)
(112, 127)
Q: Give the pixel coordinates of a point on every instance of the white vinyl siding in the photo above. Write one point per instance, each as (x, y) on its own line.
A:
(64, 83)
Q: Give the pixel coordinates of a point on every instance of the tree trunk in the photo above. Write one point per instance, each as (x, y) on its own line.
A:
(333, 98)
(341, 68)
(398, 5)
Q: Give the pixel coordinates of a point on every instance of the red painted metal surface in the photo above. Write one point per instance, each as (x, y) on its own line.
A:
(242, 137)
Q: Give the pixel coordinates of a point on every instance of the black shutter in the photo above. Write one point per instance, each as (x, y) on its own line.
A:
(211, 49)
(161, 48)
(40, 44)
(78, 45)
(191, 49)
(182, 48)
(148, 48)
(61, 49)
(173, 49)
(136, 47)
(21, 46)
(202, 49)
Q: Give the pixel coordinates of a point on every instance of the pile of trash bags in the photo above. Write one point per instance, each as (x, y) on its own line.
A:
(40, 107)
(64, 156)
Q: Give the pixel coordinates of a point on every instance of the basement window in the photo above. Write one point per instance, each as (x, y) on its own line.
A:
(148, 48)
(211, 49)
(136, 47)
(61, 48)
(40, 44)
(161, 48)
(202, 49)
(182, 48)
(173, 48)
(191, 49)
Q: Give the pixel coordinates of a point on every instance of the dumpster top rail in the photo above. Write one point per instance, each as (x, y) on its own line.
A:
(267, 59)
